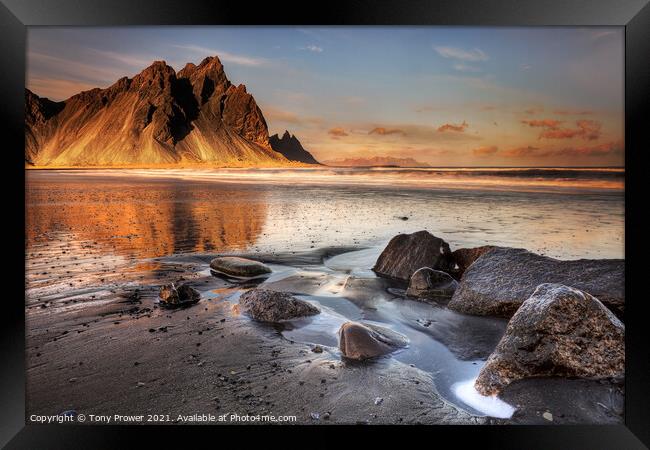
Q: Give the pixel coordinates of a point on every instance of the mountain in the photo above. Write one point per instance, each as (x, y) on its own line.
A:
(376, 161)
(157, 118)
(291, 148)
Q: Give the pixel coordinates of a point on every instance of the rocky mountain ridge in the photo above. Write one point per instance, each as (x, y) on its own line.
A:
(160, 117)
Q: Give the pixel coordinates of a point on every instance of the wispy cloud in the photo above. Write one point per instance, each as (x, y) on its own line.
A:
(518, 152)
(461, 67)
(337, 132)
(313, 48)
(473, 55)
(232, 58)
(485, 151)
(600, 150)
(453, 127)
(542, 123)
(130, 60)
(588, 130)
(56, 89)
(573, 112)
(381, 131)
(273, 115)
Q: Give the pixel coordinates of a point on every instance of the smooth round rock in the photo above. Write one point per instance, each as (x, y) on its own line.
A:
(239, 267)
(364, 341)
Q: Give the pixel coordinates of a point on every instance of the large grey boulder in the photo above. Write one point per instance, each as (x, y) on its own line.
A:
(173, 296)
(429, 284)
(406, 253)
(272, 306)
(239, 267)
(364, 341)
(558, 331)
(499, 281)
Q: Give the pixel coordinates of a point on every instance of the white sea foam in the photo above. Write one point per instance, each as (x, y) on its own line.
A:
(490, 406)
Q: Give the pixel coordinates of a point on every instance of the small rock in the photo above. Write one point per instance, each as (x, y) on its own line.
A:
(172, 296)
(314, 416)
(140, 384)
(429, 284)
(239, 267)
(271, 306)
(363, 341)
(548, 416)
(465, 257)
(379, 401)
(317, 349)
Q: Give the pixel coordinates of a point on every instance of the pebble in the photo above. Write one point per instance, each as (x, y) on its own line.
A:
(548, 416)
(317, 349)
(379, 401)
(314, 416)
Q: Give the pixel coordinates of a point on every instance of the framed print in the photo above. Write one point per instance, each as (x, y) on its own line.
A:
(411, 216)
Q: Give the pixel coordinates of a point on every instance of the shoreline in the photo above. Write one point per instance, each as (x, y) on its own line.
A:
(222, 361)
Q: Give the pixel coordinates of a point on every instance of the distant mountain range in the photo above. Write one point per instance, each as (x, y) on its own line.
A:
(376, 161)
(160, 117)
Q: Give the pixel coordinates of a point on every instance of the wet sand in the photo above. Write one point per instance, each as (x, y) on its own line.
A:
(95, 346)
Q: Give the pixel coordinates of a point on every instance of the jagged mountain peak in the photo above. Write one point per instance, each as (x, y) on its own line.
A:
(158, 117)
(291, 148)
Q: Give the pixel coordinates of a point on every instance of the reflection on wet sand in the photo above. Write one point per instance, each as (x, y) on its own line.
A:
(144, 220)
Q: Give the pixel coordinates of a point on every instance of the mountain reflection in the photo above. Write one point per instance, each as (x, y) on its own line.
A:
(137, 219)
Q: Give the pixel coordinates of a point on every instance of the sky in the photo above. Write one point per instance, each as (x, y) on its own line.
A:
(447, 96)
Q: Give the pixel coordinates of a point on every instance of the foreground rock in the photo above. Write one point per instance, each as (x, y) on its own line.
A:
(172, 296)
(429, 284)
(499, 281)
(406, 253)
(272, 306)
(465, 257)
(364, 341)
(558, 331)
(239, 267)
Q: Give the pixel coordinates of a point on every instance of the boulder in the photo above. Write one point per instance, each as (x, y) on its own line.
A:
(172, 296)
(499, 281)
(364, 341)
(406, 253)
(464, 257)
(430, 284)
(272, 306)
(239, 267)
(559, 331)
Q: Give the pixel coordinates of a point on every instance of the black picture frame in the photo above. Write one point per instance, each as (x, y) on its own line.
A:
(634, 15)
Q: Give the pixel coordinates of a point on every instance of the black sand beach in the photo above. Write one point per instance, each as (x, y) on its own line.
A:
(99, 247)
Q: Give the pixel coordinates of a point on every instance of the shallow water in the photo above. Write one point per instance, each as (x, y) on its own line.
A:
(88, 232)
(346, 290)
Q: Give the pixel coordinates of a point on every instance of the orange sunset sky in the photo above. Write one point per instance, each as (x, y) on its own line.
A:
(447, 96)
